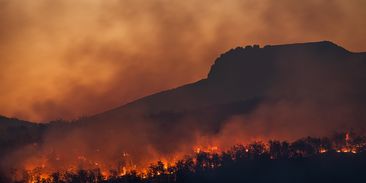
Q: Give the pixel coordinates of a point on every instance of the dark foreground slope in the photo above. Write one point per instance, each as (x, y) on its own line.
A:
(16, 133)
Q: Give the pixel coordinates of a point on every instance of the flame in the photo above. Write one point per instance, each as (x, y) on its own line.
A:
(123, 172)
(322, 150)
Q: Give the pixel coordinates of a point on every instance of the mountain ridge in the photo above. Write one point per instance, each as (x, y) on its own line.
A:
(252, 53)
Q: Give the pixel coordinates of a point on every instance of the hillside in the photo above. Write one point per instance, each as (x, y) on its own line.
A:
(317, 71)
(281, 91)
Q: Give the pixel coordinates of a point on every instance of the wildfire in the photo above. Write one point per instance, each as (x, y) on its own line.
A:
(348, 148)
(204, 156)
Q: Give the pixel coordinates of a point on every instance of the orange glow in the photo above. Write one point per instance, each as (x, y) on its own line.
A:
(73, 64)
(207, 149)
(323, 150)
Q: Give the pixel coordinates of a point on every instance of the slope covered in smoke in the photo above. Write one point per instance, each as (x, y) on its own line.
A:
(280, 92)
(313, 86)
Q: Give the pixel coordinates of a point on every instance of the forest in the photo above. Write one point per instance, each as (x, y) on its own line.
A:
(340, 158)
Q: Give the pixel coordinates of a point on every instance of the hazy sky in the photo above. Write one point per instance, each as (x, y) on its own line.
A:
(67, 58)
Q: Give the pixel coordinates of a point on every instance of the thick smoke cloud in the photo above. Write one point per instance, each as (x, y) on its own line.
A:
(64, 59)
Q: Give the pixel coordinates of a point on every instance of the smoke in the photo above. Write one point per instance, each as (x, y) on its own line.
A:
(64, 59)
(138, 142)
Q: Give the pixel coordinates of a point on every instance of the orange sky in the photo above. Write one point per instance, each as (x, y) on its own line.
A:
(68, 58)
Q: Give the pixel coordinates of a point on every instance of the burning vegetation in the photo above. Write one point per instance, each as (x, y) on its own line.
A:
(344, 153)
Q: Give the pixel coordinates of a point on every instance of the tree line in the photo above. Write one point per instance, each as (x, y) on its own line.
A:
(339, 158)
